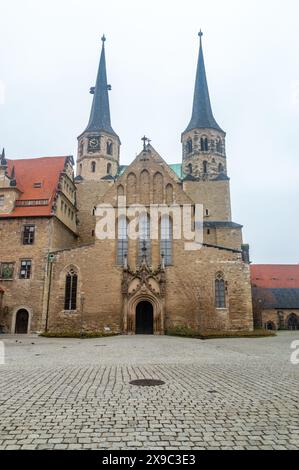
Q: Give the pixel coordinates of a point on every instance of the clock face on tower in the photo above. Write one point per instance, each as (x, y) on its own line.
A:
(94, 143)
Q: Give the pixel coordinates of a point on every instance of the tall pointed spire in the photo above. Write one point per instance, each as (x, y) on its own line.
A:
(100, 111)
(3, 160)
(202, 115)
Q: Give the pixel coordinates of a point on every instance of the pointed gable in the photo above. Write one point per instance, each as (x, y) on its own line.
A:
(148, 180)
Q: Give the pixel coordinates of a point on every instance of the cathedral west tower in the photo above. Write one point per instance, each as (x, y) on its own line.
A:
(98, 145)
(203, 140)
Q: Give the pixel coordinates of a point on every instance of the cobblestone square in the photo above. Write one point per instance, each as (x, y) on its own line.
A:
(218, 394)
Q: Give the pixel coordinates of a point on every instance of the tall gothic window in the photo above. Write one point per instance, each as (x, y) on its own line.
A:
(166, 239)
(122, 239)
(220, 300)
(93, 167)
(109, 168)
(189, 166)
(189, 146)
(219, 146)
(70, 297)
(220, 168)
(205, 167)
(144, 237)
(109, 147)
(204, 144)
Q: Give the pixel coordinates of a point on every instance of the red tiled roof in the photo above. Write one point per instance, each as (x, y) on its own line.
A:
(275, 275)
(44, 170)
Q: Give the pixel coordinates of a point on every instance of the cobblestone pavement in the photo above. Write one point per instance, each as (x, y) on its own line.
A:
(218, 394)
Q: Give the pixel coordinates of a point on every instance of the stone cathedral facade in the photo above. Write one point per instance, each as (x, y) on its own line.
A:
(58, 275)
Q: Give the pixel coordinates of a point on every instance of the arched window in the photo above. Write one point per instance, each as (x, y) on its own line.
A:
(109, 168)
(220, 168)
(122, 239)
(189, 166)
(158, 187)
(93, 167)
(166, 239)
(109, 147)
(204, 144)
(131, 188)
(120, 190)
(220, 301)
(169, 194)
(189, 146)
(71, 283)
(205, 167)
(219, 146)
(144, 245)
(145, 185)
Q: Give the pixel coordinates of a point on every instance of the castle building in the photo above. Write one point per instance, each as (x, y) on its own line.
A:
(59, 274)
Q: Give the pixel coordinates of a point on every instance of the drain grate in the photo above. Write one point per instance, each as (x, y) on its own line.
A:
(147, 382)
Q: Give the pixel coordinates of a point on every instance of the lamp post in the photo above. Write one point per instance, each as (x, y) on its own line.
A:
(82, 314)
(51, 259)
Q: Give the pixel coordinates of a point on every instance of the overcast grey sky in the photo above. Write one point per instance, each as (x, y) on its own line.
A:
(49, 53)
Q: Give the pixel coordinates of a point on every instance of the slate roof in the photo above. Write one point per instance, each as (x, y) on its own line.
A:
(222, 225)
(278, 298)
(202, 115)
(100, 111)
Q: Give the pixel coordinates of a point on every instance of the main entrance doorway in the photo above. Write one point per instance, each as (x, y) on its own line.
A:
(22, 319)
(144, 318)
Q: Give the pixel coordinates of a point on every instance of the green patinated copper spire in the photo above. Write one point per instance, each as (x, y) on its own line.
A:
(202, 115)
(100, 111)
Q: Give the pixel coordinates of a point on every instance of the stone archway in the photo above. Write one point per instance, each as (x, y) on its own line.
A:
(144, 319)
(270, 325)
(154, 310)
(293, 322)
(22, 321)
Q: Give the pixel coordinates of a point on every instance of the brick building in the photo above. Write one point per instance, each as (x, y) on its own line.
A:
(275, 295)
(57, 274)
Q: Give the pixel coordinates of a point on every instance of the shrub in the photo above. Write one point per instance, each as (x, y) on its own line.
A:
(85, 334)
(188, 332)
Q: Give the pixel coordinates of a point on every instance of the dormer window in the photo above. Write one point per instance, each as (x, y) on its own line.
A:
(189, 146)
(109, 147)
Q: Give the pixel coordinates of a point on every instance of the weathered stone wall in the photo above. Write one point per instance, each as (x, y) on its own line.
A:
(28, 293)
(190, 289)
(214, 195)
(279, 318)
(89, 194)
